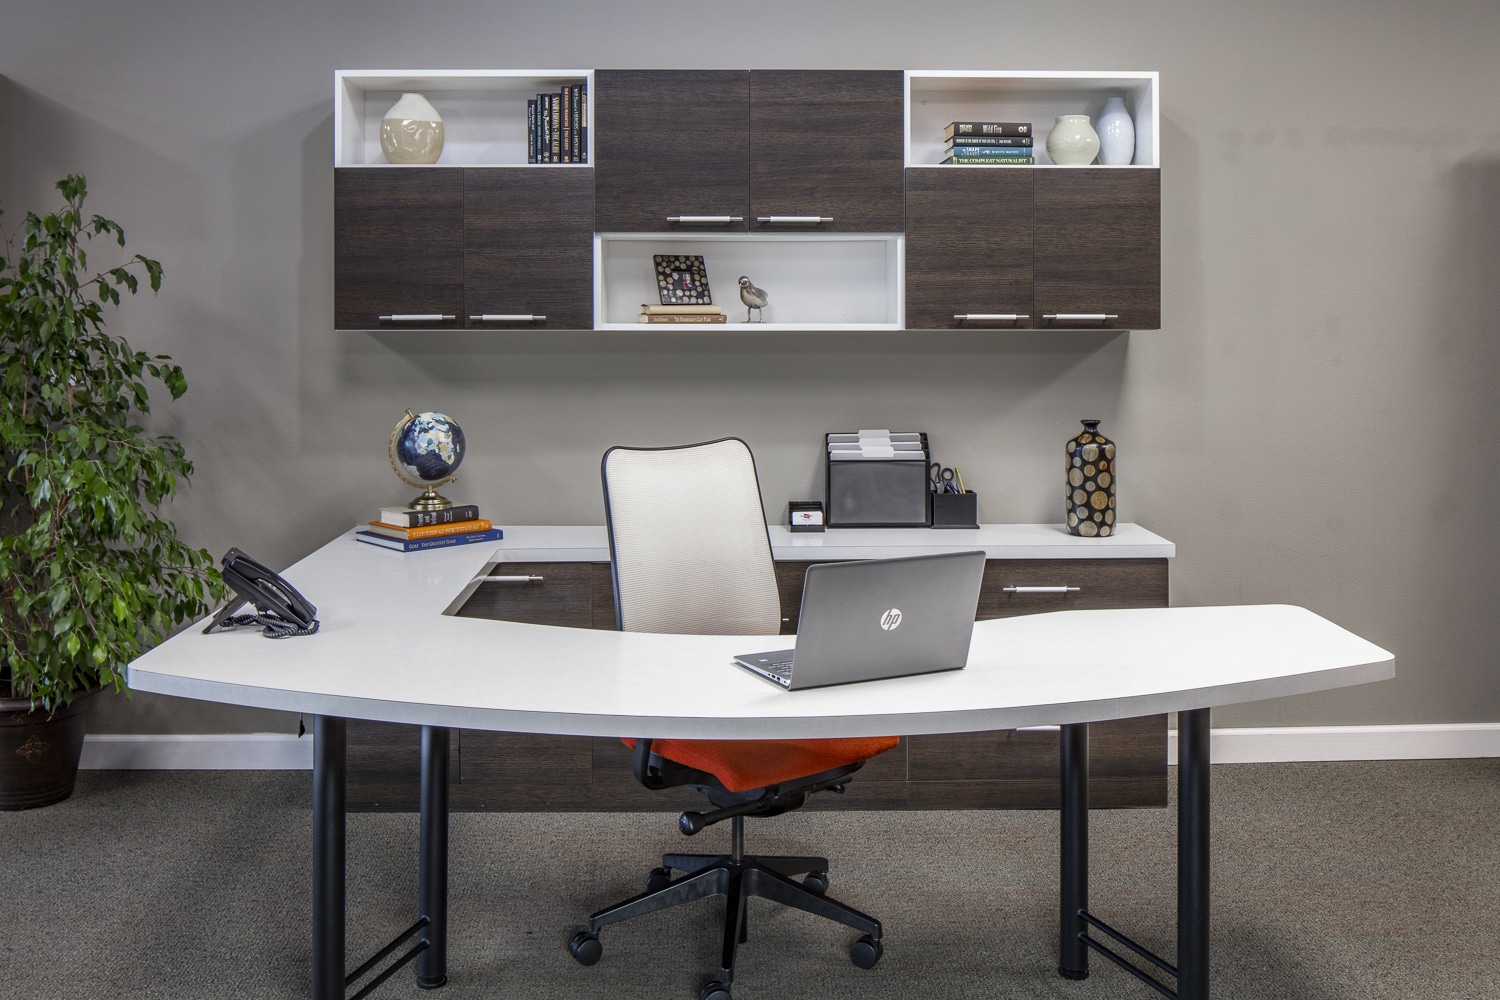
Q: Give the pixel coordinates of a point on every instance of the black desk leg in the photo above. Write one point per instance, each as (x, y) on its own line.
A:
(1073, 960)
(329, 759)
(432, 879)
(1193, 761)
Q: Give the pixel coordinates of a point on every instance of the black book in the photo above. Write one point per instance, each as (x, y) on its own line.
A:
(554, 109)
(565, 129)
(544, 128)
(531, 131)
(576, 150)
(965, 129)
(403, 517)
(583, 123)
(990, 140)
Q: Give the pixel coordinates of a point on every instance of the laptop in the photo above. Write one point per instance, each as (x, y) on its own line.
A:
(877, 618)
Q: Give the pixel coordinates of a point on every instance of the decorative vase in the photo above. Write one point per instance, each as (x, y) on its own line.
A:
(39, 751)
(1090, 489)
(1116, 134)
(412, 131)
(1072, 141)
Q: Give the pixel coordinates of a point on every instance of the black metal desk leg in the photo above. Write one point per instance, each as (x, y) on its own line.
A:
(329, 758)
(1073, 960)
(432, 887)
(1193, 762)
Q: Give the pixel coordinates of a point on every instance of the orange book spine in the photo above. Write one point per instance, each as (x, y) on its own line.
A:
(434, 530)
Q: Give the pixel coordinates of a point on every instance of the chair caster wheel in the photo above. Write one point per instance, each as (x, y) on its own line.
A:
(586, 948)
(816, 882)
(714, 990)
(658, 878)
(866, 952)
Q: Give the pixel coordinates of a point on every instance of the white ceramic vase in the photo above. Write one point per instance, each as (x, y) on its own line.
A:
(412, 131)
(1116, 134)
(1072, 141)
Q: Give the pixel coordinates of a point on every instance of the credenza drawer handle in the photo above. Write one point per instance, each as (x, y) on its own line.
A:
(1081, 317)
(991, 317)
(794, 220)
(1040, 590)
(507, 318)
(511, 579)
(706, 219)
(418, 318)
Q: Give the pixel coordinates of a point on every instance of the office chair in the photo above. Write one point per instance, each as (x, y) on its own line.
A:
(690, 553)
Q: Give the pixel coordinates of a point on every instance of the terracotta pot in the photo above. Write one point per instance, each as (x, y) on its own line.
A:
(39, 751)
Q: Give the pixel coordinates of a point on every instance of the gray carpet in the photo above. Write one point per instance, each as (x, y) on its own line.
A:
(1367, 880)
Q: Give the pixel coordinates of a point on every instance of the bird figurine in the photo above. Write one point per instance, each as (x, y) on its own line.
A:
(755, 299)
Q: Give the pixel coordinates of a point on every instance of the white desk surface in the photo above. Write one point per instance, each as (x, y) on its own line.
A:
(386, 651)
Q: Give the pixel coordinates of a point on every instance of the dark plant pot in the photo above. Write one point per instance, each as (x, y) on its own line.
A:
(39, 752)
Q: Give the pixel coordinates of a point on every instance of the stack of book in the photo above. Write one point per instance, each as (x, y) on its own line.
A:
(407, 530)
(557, 129)
(682, 314)
(989, 144)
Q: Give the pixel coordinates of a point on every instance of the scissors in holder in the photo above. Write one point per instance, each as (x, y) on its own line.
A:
(942, 478)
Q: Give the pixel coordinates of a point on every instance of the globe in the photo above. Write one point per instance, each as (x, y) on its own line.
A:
(426, 449)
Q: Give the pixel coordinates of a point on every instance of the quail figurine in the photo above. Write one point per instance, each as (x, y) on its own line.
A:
(754, 298)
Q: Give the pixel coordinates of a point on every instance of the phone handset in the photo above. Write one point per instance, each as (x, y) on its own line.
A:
(280, 610)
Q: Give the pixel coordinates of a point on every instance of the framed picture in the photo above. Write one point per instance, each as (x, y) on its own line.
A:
(681, 280)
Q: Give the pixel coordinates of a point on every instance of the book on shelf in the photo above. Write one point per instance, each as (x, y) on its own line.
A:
(986, 128)
(989, 140)
(406, 517)
(565, 126)
(423, 544)
(991, 161)
(583, 123)
(431, 531)
(683, 318)
(576, 109)
(964, 152)
(554, 133)
(696, 310)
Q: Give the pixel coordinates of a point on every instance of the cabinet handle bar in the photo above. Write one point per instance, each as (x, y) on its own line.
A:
(418, 318)
(795, 220)
(1082, 317)
(511, 579)
(1040, 590)
(991, 317)
(507, 318)
(706, 219)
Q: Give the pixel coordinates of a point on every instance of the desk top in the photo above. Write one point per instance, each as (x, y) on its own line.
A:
(387, 651)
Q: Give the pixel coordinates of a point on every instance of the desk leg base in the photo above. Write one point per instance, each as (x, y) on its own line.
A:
(1072, 974)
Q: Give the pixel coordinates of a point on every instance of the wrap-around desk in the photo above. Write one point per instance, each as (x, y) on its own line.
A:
(387, 652)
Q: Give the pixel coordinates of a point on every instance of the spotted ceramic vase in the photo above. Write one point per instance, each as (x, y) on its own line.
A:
(1090, 502)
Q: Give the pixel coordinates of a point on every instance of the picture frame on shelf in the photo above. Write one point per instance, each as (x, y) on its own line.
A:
(682, 280)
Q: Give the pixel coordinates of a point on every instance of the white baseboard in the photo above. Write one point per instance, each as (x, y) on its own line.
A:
(206, 752)
(1310, 743)
(284, 752)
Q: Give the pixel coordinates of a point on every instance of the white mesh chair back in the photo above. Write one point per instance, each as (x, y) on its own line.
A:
(687, 539)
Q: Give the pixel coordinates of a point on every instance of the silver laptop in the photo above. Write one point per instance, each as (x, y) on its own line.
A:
(875, 618)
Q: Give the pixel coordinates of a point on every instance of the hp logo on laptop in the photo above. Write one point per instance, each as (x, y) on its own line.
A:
(890, 619)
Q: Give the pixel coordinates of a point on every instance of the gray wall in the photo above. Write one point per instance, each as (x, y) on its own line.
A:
(1310, 425)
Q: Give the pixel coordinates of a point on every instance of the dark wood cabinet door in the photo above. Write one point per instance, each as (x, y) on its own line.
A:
(529, 247)
(826, 144)
(670, 143)
(1098, 247)
(398, 247)
(968, 247)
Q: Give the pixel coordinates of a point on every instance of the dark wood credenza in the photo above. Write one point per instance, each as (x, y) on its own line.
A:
(1007, 769)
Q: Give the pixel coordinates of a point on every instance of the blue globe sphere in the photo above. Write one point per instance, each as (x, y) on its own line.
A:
(429, 448)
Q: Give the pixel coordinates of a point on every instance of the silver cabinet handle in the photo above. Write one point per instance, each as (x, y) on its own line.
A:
(511, 579)
(1082, 317)
(991, 317)
(795, 220)
(507, 318)
(418, 318)
(1040, 590)
(706, 219)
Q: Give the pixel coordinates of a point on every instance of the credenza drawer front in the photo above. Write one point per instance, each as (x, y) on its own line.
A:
(539, 593)
(1032, 586)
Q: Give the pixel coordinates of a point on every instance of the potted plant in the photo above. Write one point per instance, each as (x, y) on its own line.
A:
(91, 575)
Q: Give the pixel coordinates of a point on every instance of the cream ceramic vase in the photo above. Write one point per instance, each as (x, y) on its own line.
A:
(1072, 141)
(412, 131)
(1116, 134)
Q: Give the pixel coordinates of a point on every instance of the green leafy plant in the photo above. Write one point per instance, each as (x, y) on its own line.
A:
(90, 574)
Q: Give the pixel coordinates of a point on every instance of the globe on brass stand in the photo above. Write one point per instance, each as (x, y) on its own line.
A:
(426, 449)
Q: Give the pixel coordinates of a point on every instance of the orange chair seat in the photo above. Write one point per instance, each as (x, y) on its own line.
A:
(742, 765)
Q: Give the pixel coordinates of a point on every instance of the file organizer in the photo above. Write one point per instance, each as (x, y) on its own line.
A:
(877, 479)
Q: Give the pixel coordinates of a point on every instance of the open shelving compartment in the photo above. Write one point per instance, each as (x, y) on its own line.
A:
(483, 111)
(814, 281)
(936, 97)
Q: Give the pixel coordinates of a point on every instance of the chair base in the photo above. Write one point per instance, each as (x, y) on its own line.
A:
(737, 879)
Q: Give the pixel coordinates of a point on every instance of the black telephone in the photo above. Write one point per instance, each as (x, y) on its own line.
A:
(280, 610)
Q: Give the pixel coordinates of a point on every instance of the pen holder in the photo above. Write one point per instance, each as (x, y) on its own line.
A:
(955, 510)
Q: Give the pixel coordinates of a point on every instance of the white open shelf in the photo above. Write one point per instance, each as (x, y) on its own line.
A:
(814, 281)
(936, 97)
(484, 112)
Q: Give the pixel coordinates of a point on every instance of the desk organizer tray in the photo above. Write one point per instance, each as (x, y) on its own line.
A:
(877, 479)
